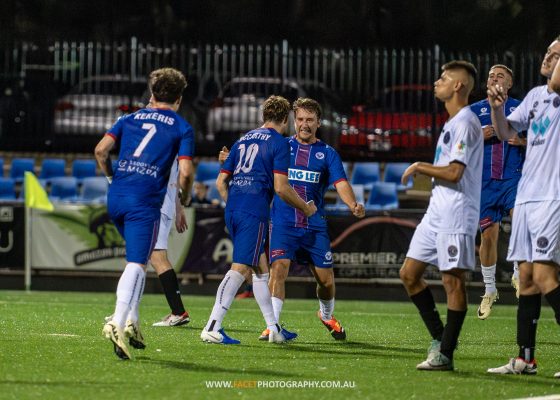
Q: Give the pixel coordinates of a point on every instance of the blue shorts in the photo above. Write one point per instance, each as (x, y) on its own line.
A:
(301, 245)
(497, 198)
(248, 234)
(137, 223)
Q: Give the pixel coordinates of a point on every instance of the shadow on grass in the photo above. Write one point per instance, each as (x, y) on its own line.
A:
(482, 375)
(352, 348)
(214, 368)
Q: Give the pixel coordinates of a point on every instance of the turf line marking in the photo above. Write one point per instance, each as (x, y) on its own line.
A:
(62, 334)
(549, 397)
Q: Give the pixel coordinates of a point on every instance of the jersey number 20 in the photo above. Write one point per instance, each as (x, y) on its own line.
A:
(246, 158)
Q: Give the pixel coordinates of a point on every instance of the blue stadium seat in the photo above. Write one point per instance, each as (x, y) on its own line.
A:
(52, 168)
(383, 196)
(365, 173)
(393, 173)
(94, 189)
(340, 207)
(84, 169)
(64, 188)
(1, 167)
(7, 189)
(207, 170)
(19, 166)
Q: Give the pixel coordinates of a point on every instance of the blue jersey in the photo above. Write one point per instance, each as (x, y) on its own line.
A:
(501, 160)
(150, 139)
(313, 168)
(253, 161)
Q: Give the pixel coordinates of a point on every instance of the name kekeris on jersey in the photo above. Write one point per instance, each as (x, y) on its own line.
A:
(156, 117)
(138, 167)
(303, 176)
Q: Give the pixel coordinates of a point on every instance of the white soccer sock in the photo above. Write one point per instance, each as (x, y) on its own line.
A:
(516, 270)
(226, 293)
(277, 305)
(489, 278)
(327, 308)
(128, 288)
(133, 315)
(262, 295)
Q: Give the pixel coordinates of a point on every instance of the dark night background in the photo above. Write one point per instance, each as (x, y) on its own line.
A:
(458, 24)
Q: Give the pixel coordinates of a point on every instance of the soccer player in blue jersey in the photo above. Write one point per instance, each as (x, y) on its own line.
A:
(501, 172)
(150, 140)
(314, 165)
(256, 168)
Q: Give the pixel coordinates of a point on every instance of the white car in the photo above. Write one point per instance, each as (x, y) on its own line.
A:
(95, 103)
(238, 108)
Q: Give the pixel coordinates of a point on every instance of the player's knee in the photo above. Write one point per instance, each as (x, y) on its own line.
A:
(407, 278)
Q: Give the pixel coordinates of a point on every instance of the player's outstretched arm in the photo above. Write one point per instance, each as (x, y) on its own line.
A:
(450, 173)
(186, 178)
(497, 98)
(222, 185)
(224, 153)
(102, 155)
(288, 194)
(344, 190)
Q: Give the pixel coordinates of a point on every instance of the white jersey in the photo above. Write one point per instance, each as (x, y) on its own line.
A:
(455, 207)
(168, 207)
(539, 115)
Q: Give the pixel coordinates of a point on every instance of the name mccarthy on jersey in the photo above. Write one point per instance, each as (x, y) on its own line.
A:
(156, 117)
(256, 136)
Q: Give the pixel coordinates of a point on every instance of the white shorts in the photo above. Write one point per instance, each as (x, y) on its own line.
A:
(535, 232)
(165, 224)
(444, 250)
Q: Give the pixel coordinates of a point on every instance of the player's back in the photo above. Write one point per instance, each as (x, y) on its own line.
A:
(150, 139)
(253, 160)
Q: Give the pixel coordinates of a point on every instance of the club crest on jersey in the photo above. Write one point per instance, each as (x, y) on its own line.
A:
(446, 137)
(542, 242)
(328, 256)
(319, 155)
(483, 111)
(556, 102)
(512, 109)
(303, 176)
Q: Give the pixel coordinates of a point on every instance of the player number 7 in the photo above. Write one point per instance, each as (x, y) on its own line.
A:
(151, 128)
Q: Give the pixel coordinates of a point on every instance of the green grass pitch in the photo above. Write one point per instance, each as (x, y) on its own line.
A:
(51, 347)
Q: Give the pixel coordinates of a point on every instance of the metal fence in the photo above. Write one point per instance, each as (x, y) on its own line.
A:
(377, 101)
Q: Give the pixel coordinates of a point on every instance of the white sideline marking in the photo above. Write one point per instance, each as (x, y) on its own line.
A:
(62, 334)
(549, 397)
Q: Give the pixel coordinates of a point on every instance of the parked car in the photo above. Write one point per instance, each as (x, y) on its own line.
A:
(401, 119)
(238, 108)
(95, 103)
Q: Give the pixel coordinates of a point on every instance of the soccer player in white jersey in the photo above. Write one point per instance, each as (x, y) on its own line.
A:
(446, 236)
(535, 234)
(170, 210)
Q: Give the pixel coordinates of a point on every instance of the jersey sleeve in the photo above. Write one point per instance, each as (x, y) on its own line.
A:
(186, 146)
(116, 130)
(465, 136)
(281, 157)
(519, 118)
(336, 169)
(229, 164)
